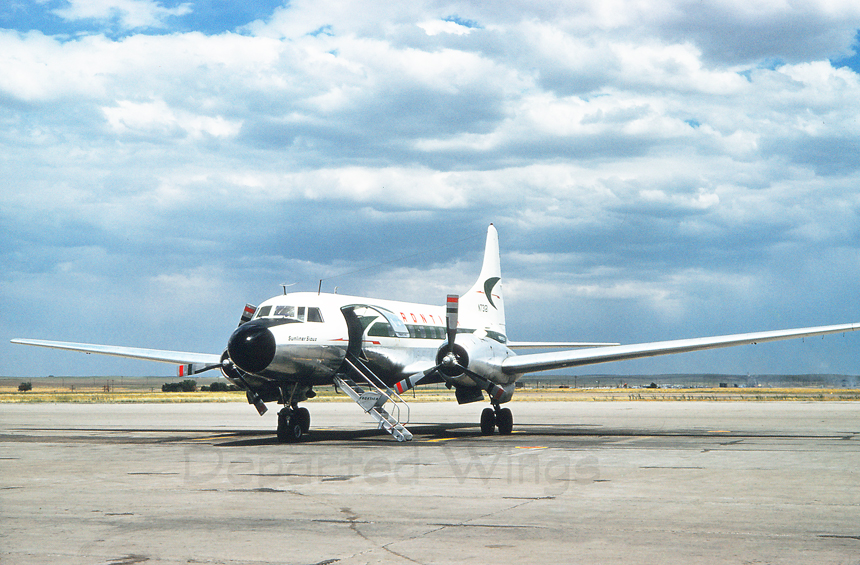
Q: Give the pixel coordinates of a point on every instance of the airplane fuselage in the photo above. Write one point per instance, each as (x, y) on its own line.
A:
(305, 337)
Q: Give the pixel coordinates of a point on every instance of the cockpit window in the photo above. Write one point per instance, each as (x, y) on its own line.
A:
(285, 312)
(297, 314)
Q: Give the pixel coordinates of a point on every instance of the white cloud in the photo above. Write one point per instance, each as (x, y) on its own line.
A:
(130, 14)
(157, 119)
(435, 27)
(36, 68)
(654, 151)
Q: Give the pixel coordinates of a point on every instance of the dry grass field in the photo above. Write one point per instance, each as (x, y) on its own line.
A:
(134, 394)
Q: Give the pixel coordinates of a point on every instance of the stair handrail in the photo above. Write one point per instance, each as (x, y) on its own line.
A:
(390, 394)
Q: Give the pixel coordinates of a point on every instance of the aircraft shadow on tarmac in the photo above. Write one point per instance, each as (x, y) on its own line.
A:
(324, 435)
(438, 432)
(423, 433)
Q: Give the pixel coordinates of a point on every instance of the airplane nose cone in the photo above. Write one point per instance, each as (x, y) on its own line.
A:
(251, 347)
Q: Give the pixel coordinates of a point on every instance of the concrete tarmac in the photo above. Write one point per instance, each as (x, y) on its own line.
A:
(578, 482)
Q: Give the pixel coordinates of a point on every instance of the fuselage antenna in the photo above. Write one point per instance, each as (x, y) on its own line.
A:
(285, 285)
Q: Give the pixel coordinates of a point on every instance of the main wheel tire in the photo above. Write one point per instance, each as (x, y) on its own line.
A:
(488, 421)
(505, 421)
(294, 430)
(283, 427)
(303, 416)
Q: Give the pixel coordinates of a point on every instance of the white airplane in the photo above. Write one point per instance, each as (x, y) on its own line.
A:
(374, 350)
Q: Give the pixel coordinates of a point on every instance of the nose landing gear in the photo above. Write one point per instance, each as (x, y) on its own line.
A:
(495, 417)
(293, 423)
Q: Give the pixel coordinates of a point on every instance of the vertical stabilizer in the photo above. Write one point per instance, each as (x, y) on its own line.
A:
(483, 307)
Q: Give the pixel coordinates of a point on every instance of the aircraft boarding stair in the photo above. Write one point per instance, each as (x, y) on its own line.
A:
(373, 399)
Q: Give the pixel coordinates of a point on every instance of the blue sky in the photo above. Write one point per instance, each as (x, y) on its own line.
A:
(119, 19)
(655, 170)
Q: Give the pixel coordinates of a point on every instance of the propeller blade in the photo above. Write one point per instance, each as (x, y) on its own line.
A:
(452, 312)
(494, 390)
(247, 313)
(413, 380)
(194, 368)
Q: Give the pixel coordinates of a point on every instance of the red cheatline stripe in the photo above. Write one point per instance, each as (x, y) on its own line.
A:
(452, 299)
(399, 387)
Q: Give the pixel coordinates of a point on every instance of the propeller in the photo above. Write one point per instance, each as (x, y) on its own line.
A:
(449, 359)
(453, 361)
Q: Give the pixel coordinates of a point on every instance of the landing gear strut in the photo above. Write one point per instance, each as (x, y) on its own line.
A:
(496, 417)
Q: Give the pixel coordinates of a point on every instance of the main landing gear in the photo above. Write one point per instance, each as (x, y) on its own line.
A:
(293, 423)
(496, 417)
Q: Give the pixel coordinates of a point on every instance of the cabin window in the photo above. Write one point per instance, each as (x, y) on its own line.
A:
(301, 313)
(314, 315)
(263, 312)
(380, 329)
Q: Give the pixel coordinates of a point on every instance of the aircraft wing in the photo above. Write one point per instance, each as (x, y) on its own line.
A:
(594, 355)
(174, 357)
(555, 344)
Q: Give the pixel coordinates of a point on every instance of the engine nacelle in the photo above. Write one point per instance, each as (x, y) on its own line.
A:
(230, 372)
(481, 355)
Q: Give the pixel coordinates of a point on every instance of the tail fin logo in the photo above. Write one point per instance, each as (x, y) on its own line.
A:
(489, 284)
